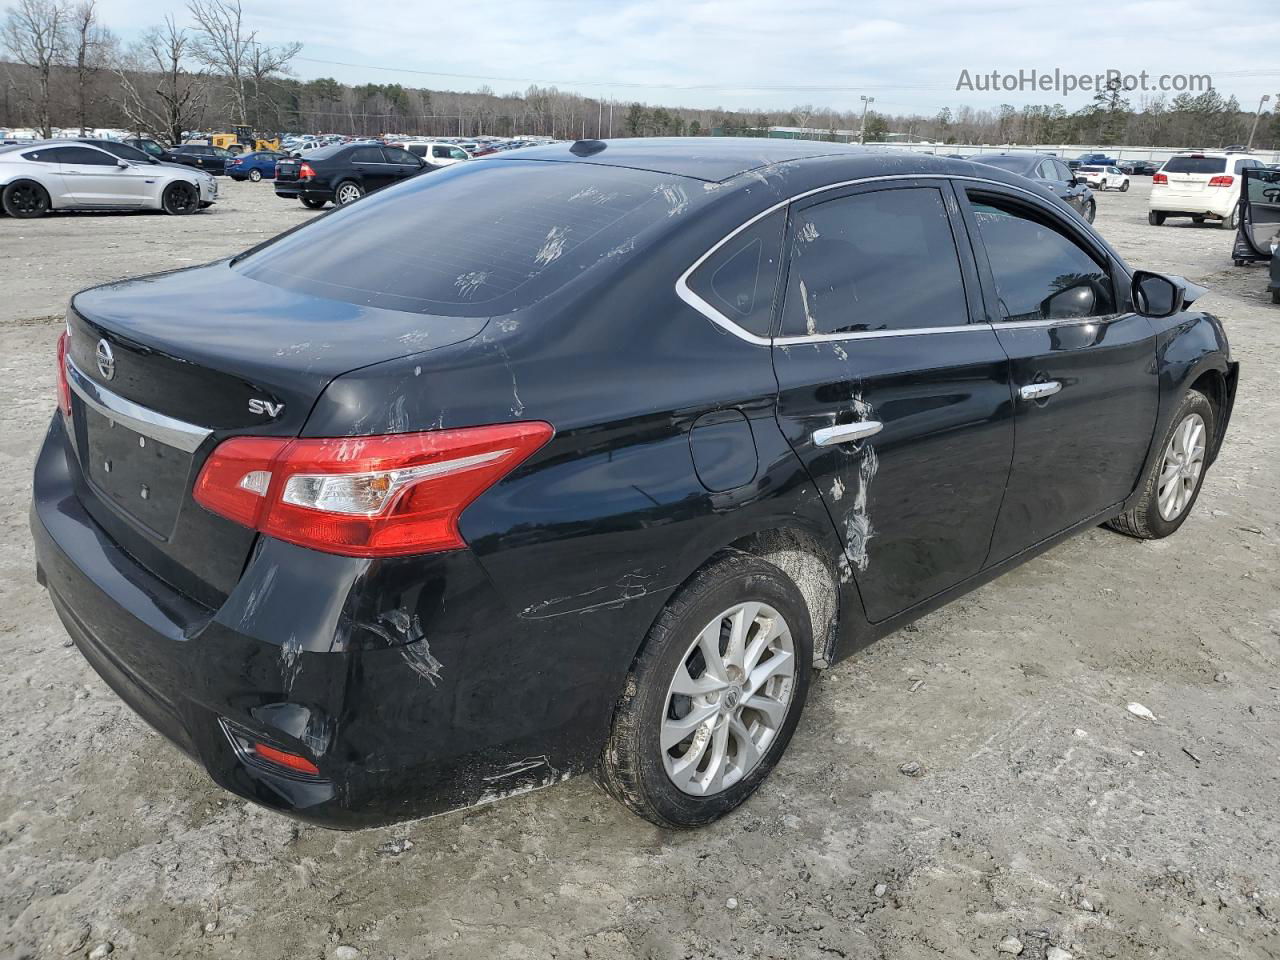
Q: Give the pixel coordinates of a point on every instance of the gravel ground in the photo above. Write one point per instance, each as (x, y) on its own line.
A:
(1044, 811)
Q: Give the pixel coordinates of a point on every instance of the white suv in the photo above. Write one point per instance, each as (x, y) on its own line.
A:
(1202, 186)
(437, 154)
(1104, 178)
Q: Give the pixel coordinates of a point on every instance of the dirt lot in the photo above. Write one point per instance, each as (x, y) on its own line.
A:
(1045, 811)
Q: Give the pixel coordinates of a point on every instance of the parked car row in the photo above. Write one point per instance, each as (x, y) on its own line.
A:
(1051, 173)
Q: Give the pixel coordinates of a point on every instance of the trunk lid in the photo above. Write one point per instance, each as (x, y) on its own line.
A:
(165, 367)
(288, 169)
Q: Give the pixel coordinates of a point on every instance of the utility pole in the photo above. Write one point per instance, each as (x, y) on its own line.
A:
(599, 118)
(862, 130)
(611, 119)
(1256, 117)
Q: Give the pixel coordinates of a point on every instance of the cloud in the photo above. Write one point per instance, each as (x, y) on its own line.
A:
(759, 53)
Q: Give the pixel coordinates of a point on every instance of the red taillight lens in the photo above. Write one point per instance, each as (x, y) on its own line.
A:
(364, 496)
(305, 171)
(1221, 181)
(291, 761)
(64, 388)
(1159, 178)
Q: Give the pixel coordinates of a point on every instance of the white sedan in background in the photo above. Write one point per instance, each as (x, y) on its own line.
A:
(1104, 178)
(68, 175)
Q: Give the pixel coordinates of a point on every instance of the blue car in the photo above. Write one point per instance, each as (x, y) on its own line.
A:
(254, 166)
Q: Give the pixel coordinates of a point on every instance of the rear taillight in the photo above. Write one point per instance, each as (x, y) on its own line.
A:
(64, 388)
(1225, 181)
(1159, 178)
(305, 171)
(364, 496)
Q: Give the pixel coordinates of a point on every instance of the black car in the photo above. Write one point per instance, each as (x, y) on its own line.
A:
(153, 148)
(374, 528)
(1050, 172)
(1139, 168)
(344, 172)
(202, 156)
(1091, 159)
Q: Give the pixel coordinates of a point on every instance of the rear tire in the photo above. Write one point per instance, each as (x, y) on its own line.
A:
(1275, 296)
(25, 200)
(313, 204)
(741, 606)
(348, 191)
(1229, 222)
(180, 198)
(255, 175)
(1155, 218)
(1154, 515)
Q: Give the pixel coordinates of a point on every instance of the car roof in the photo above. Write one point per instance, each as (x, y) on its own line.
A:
(702, 158)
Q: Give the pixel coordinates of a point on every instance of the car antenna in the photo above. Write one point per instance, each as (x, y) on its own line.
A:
(587, 148)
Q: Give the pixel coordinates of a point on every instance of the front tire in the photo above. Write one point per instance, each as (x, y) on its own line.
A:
(180, 198)
(25, 200)
(255, 175)
(713, 697)
(1124, 187)
(348, 191)
(1090, 211)
(1172, 482)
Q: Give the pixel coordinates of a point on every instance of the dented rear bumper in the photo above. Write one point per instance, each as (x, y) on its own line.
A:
(409, 683)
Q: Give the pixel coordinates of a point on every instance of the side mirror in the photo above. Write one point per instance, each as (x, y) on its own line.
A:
(122, 164)
(1076, 181)
(1156, 295)
(1068, 304)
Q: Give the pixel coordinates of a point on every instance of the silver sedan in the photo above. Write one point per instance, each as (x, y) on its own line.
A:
(68, 175)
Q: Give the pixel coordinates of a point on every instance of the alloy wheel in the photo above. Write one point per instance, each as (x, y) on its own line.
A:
(255, 175)
(1181, 467)
(348, 193)
(27, 198)
(182, 198)
(729, 698)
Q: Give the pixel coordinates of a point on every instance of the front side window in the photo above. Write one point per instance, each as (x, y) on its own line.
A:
(1040, 274)
(1047, 170)
(885, 260)
(740, 279)
(396, 155)
(1063, 171)
(456, 154)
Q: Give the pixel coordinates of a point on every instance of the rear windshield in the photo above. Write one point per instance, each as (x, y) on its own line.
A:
(1196, 165)
(472, 239)
(1090, 169)
(1014, 164)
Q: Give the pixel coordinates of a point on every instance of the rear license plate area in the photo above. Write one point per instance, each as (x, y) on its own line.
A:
(138, 475)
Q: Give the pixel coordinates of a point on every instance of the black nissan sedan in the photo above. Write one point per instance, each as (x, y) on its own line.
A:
(385, 528)
(1051, 172)
(344, 172)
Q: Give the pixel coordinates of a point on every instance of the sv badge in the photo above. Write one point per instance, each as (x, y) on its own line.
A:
(265, 407)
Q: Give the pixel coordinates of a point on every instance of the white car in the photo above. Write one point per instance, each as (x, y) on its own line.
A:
(1104, 177)
(1202, 186)
(437, 154)
(68, 175)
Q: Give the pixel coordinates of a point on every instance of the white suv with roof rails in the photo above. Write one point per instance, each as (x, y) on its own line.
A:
(1202, 186)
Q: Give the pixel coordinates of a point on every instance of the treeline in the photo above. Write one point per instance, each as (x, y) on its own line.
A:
(65, 68)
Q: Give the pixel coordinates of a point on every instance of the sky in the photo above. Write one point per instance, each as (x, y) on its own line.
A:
(762, 54)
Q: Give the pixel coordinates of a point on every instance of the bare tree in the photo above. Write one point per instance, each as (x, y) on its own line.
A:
(226, 46)
(35, 34)
(91, 42)
(177, 101)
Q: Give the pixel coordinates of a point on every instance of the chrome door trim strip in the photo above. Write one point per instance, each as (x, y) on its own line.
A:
(686, 294)
(186, 437)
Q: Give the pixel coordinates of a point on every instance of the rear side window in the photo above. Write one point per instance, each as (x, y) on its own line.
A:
(740, 279)
(366, 155)
(518, 231)
(418, 149)
(1196, 165)
(1040, 274)
(874, 261)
